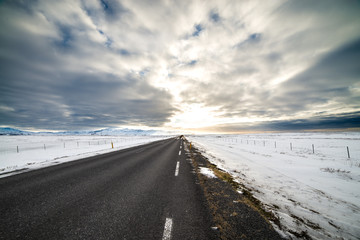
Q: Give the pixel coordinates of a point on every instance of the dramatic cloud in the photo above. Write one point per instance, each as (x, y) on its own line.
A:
(216, 65)
(58, 71)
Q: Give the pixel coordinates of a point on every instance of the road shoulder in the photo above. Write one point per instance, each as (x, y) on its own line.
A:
(235, 215)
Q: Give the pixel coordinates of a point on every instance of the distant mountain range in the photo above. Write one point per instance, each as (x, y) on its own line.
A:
(12, 131)
(101, 132)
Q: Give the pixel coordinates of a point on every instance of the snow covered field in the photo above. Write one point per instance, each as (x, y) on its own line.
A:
(313, 192)
(30, 152)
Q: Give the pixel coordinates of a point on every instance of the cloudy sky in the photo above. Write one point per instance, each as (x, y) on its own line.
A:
(216, 66)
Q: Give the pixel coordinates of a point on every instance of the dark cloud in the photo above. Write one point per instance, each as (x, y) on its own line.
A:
(328, 122)
(307, 7)
(74, 101)
(335, 121)
(339, 67)
(21, 5)
(328, 80)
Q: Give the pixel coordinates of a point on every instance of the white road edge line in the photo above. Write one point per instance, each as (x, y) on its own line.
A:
(167, 229)
(179, 152)
(177, 169)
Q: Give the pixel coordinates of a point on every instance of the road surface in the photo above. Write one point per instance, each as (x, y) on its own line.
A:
(144, 192)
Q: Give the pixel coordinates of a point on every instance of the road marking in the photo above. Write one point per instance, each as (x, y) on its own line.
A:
(177, 169)
(167, 229)
(179, 152)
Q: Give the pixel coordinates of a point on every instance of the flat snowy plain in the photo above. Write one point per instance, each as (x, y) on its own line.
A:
(317, 193)
(22, 153)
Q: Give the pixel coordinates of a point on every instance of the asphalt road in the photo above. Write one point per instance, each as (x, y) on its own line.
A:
(144, 192)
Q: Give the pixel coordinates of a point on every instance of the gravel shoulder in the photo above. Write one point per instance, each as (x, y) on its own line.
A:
(235, 215)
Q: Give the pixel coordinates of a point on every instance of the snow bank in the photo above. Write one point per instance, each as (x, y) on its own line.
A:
(31, 152)
(313, 191)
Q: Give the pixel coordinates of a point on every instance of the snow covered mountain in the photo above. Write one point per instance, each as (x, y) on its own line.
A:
(13, 131)
(101, 132)
(123, 131)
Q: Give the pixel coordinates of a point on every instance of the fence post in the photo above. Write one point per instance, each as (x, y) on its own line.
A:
(291, 146)
(275, 144)
(348, 151)
(17, 149)
(64, 145)
(313, 148)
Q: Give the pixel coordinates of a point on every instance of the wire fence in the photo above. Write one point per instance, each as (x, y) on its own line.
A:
(339, 148)
(13, 144)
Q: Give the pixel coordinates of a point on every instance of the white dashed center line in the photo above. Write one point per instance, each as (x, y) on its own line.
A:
(179, 152)
(167, 229)
(177, 169)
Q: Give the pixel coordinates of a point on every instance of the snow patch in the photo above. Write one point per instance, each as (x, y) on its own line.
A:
(207, 172)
